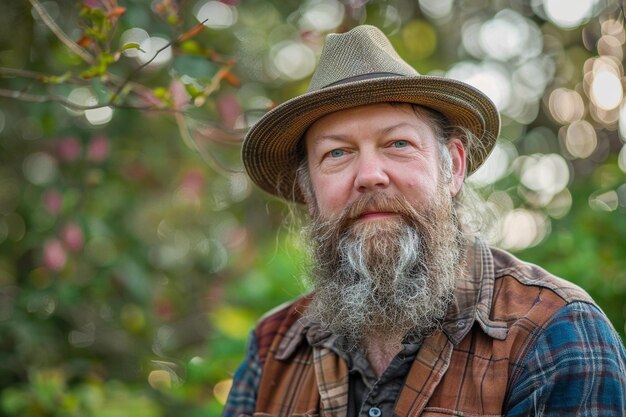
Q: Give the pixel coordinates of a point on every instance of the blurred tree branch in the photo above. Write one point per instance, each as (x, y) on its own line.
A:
(73, 46)
(94, 50)
(120, 87)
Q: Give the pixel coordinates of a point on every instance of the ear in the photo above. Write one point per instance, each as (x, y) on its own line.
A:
(457, 154)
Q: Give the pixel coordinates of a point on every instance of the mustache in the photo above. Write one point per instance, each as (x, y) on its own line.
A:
(383, 203)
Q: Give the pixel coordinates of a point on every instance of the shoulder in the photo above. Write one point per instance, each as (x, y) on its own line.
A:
(527, 295)
(577, 364)
(284, 314)
(527, 300)
(507, 267)
(277, 323)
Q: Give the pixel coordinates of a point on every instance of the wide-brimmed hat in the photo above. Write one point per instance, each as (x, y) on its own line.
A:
(356, 68)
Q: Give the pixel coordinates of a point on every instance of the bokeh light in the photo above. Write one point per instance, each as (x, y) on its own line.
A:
(216, 14)
(548, 174)
(523, 228)
(604, 201)
(160, 379)
(292, 60)
(221, 390)
(568, 14)
(100, 115)
(509, 35)
(560, 204)
(436, 9)
(321, 15)
(610, 45)
(580, 139)
(419, 38)
(150, 47)
(490, 77)
(81, 96)
(40, 168)
(471, 37)
(134, 35)
(495, 167)
(566, 106)
(606, 90)
(84, 96)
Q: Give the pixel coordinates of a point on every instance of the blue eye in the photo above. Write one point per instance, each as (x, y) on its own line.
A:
(400, 144)
(336, 153)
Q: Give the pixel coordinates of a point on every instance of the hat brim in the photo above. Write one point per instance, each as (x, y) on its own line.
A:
(270, 149)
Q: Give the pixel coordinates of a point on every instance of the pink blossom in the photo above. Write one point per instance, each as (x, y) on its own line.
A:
(52, 201)
(92, 3)
(148, 98)
(54, 256)
(229, 109)
(98, 149)
(73, 237)
(180, 97)
(69, 149)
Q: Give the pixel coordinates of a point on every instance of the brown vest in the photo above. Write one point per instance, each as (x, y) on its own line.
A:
(465, 369)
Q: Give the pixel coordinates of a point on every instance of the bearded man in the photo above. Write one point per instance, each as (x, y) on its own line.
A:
(410, 315)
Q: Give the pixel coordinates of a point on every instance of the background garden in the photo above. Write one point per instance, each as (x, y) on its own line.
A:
(135, 256)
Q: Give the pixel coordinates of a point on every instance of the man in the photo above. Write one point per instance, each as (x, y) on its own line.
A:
(409, 314)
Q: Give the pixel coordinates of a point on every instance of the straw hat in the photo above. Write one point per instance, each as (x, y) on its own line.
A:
(356, 68)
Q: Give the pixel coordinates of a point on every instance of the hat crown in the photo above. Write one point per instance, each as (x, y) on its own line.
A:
(363, 52)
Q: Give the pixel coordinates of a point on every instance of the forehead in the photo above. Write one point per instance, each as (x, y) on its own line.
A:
(375, 116)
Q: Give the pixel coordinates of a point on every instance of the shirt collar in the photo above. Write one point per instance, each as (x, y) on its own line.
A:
(473, 297)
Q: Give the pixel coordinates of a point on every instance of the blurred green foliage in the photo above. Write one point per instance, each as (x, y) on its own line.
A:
(133, 265)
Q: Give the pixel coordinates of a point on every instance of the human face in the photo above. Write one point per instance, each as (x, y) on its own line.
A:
(377, 148)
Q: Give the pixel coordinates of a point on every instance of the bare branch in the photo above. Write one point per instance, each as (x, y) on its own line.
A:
(209, 158)
(221, 136)
(215, 81)
(39, 76)
(35, 98)
(73, 46)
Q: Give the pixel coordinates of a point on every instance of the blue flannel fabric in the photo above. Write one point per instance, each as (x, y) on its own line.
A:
(242, 396)
(577, 367)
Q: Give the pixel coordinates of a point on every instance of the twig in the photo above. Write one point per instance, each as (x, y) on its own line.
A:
(35, 98)
(221, 136)
(73, 46)
(39, 76)
(209, 158)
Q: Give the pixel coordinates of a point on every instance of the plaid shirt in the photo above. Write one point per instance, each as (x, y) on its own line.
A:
(517, 342)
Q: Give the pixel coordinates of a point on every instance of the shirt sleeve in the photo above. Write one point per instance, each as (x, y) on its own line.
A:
(243, 394)
(577, 367)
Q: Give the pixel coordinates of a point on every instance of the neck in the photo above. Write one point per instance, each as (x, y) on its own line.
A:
(380, 352)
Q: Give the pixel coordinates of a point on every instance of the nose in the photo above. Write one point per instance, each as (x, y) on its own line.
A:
(371, 174)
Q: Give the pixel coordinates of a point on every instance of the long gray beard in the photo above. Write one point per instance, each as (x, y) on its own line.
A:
(385, 278)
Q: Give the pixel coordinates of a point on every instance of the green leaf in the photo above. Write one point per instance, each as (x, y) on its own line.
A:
(57, 79)
(193, 90)
(131, 45)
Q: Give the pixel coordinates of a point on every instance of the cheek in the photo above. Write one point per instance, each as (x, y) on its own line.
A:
(419, 190)
(331, 193)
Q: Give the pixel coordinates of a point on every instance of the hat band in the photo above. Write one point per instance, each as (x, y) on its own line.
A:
(362, 77)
